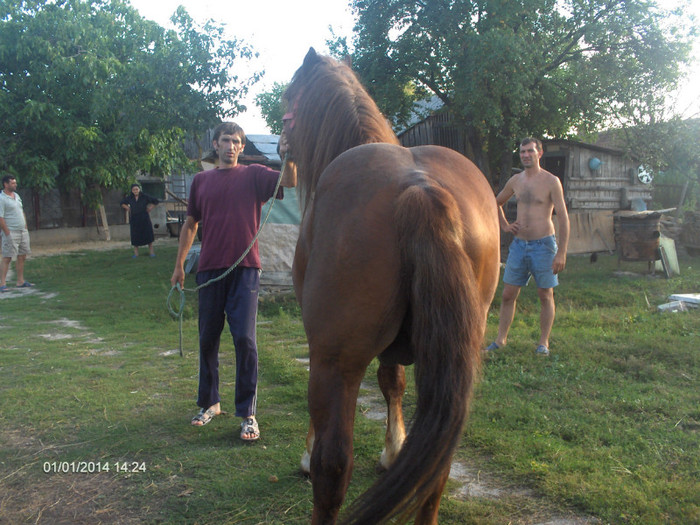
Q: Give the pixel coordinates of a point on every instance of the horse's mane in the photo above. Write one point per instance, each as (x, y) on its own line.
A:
(331, 113)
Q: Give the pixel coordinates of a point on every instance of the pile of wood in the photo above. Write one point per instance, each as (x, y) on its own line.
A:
(690, 231)
(670, 227)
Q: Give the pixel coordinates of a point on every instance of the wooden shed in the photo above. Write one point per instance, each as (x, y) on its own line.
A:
(597, 181)
(594, 177)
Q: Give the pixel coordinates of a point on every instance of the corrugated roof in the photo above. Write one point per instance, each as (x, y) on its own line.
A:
(265, 145)
(422, 109)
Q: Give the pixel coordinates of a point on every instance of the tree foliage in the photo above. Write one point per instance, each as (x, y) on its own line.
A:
(91, 93)
(271, 106)
(506, 69)
(668, 147)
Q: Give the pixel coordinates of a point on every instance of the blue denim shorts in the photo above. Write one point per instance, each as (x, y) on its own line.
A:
(531, 258)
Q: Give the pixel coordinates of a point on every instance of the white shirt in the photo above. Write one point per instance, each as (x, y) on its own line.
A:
(12, 211)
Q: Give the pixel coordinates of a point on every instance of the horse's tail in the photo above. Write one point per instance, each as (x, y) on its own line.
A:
(447, 323)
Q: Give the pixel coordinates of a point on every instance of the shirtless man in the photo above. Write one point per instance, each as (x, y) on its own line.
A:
(534, 250)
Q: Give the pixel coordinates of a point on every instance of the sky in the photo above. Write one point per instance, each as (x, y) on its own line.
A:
(282, 31)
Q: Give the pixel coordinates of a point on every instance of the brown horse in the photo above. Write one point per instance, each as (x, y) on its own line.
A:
(397, 258)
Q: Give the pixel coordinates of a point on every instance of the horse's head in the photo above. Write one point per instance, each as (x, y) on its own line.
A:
(328, 112)
(300, 78)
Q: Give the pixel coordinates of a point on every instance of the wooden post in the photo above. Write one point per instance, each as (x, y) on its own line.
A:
(103, 222)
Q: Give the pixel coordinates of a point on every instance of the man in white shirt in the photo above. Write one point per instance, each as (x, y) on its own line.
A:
(15, 236)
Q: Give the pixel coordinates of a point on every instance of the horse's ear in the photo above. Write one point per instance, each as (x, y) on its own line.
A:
(311, 57)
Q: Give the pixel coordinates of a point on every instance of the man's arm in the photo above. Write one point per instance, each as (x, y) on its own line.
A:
(564, 226)
(501, 199)
(187, 234)
(3, 227)
(3, 224)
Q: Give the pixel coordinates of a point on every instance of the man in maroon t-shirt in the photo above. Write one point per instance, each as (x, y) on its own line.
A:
(228, 201)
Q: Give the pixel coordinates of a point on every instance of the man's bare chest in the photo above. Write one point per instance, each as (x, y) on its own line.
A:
(527, 195)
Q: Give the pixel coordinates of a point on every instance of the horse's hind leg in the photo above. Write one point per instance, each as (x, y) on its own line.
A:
(332, 402)
(306, 457)
(392, 382)
(427, 513)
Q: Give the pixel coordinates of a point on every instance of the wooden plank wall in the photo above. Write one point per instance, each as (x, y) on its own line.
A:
(611, 187)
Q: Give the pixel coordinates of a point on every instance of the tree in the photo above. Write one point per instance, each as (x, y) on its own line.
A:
(509, 69)
(271, 107)
(668, 147)
(91, 93)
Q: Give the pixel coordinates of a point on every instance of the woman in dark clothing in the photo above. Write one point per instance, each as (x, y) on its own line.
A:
(139, 205)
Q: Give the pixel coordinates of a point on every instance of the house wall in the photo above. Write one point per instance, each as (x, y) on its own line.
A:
(419, 135)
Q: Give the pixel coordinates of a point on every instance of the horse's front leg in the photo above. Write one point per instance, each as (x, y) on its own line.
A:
(332, 402)
(392, 382)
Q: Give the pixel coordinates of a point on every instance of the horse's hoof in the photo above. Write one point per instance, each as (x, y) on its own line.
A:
(306, 463)
(384, 462)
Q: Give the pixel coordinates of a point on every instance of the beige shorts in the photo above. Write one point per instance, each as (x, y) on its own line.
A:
(16, 244)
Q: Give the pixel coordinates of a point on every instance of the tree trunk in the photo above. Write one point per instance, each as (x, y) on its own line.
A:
(102, 222)
(475, 151)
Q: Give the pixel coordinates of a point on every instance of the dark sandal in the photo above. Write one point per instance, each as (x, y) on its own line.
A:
(203, 417)
(250, 426)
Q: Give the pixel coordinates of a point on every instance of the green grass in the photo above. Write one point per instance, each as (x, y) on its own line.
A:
(89, 371)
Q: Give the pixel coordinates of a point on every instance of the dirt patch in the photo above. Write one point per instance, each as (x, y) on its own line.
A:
(73, 499)
(58, 249)
(67, 323)
(478, 484)
(55, 337)
(37, 493)
(13, 291)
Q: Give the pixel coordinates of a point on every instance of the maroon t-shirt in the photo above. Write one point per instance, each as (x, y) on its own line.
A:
(228, 204)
